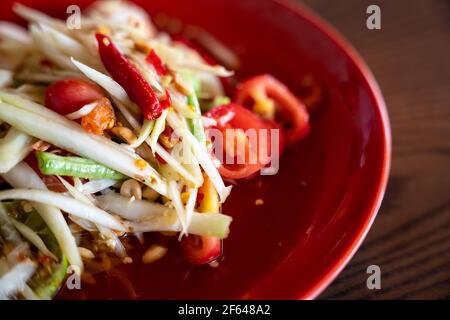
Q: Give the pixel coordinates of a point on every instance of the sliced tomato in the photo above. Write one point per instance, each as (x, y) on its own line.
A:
(69, 95)
(240, 120)
(201, 249)
(291, 109)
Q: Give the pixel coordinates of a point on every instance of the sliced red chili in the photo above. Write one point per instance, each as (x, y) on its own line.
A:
(291, 109)
(157, 63)
(122, 71)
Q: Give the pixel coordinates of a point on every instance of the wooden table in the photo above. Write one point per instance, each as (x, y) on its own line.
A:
(410, 57)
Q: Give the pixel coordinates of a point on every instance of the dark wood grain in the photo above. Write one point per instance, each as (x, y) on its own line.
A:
(410, 239)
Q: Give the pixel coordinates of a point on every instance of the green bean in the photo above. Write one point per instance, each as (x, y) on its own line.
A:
(52, 164)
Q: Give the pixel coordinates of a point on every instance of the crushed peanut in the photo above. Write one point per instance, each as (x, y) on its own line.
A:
(41, 146)
(86, 253)
(131, 188)
(27, 207)
(214, 264)
(154, 253)
(125, 134)
(259, 202)
(150, 194)
(127, 260)
(167, 141)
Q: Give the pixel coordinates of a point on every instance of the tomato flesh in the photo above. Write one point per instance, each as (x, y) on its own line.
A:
(69, 95)
(291, 109)
(240, 120)
(201, 249)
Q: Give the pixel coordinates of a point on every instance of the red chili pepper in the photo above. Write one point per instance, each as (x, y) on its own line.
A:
(166, 101)
(157, 63)
(129, 78)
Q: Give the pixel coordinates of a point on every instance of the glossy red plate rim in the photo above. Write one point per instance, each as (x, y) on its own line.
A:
(348, 49)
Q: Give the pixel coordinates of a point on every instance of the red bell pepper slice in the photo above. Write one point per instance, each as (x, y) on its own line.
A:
(122, 71)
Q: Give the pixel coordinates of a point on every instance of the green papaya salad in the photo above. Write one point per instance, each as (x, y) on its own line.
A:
(32, 265)
(109, 141)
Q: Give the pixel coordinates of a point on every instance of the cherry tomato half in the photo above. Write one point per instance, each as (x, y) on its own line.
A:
(69, 95)
(201, 249)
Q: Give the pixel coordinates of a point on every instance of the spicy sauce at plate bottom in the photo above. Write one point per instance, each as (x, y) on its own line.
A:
(260, 236)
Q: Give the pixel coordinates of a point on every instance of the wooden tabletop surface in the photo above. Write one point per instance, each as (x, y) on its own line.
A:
(410, 57)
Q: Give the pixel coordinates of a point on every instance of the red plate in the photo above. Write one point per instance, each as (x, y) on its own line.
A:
(320, 206)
